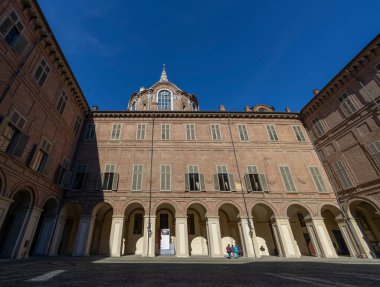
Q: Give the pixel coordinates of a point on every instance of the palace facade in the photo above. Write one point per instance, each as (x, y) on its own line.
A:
(162, 177)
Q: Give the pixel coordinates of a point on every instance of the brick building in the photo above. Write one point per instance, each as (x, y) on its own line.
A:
(343, 120)
(42, 110)
(162, 177)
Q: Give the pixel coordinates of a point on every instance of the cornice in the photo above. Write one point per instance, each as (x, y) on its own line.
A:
(48, 41)
(349, 72)
(192, 114)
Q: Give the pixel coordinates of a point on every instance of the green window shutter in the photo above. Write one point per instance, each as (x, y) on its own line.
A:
(216, 182)
(263, 182)
(3, 125)
(248, 182)
(115, 181)
(187, 182)
(202, 182)
(32, 156)
(58, 174)
(100, 181)
(20, 145)
(231, 182)
(45, 171)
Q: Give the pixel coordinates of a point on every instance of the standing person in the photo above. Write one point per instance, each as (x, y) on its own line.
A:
(236, 251)
(232, 251)
(229, 250)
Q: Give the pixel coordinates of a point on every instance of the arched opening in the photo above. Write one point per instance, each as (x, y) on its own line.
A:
(329, 214)
(71, 213)
(266, 240)
(368, 219)
(197, 230)
(14, 225)
(165, 230)
(297, 215)
(229, 225)
(100, 243)
(44, 231)
(133, 229)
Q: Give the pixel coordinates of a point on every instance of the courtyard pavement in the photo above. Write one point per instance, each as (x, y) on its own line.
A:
(194, 271)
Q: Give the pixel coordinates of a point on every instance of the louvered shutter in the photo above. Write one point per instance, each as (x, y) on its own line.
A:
(231, 182)
(3, 125)
(216, 182)
(115, 181)
(45, 171)
(20, 145)
(187, 182)
(99, 183)
(263, 182)
(248, 183)
(202, 182)
(58, 174)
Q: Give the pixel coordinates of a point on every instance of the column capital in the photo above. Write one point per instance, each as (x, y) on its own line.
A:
(118, 216)
(147, 216)
(213, 217)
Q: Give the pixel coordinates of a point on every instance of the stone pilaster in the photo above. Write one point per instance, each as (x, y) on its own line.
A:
(149, 236)
(214, 237)
(45, 235)
(57, 236)
(318, 230)
(182, 248)
(248, 235)
(83, 238)
(4, 206)
(348, 239)
(288, 245)
(116, 235)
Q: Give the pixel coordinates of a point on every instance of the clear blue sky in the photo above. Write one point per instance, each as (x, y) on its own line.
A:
(235, 53)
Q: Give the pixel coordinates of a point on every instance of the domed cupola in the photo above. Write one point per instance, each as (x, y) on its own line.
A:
(163, 96)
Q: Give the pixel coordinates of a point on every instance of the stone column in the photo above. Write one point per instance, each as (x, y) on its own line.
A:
(116, 235)
(57, 236)
(4, 206)
(149, 237)
(214, 237)
(365, 250)
(248, 236)
(83, 239)
(30, 230)
(288, 245)
(348, 239)
(320, 237)
(182, 248)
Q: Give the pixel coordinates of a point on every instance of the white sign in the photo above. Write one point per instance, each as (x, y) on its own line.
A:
(165, 239)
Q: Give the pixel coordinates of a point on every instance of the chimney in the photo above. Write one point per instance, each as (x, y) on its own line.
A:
(315, 92)
(95, 108)
(222, 108)
(287, 110)
(247, 109)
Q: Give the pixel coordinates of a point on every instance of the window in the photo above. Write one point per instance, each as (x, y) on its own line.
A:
(11, 30)
(222, 180)
(254, 180)
(317, 178)
(374, 151)
(164, 100)
(12, 140)
(215, 132)
(61, 105)
(347, 104)
(194, 181)
(318, 127)
(41, 73)
(272, 133)
(138, 224)
(137, 177)
(41, 160)
(165, 131)
(116, 131)
(342, 174)
(298, 133)
(77, 124)
(140, 133)
(165, 178)
(80, 177)
(243, 132)
(190, 224)
(62, 174)
(190, 132)
(287, 179)
(89, 133)
(109, 179)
